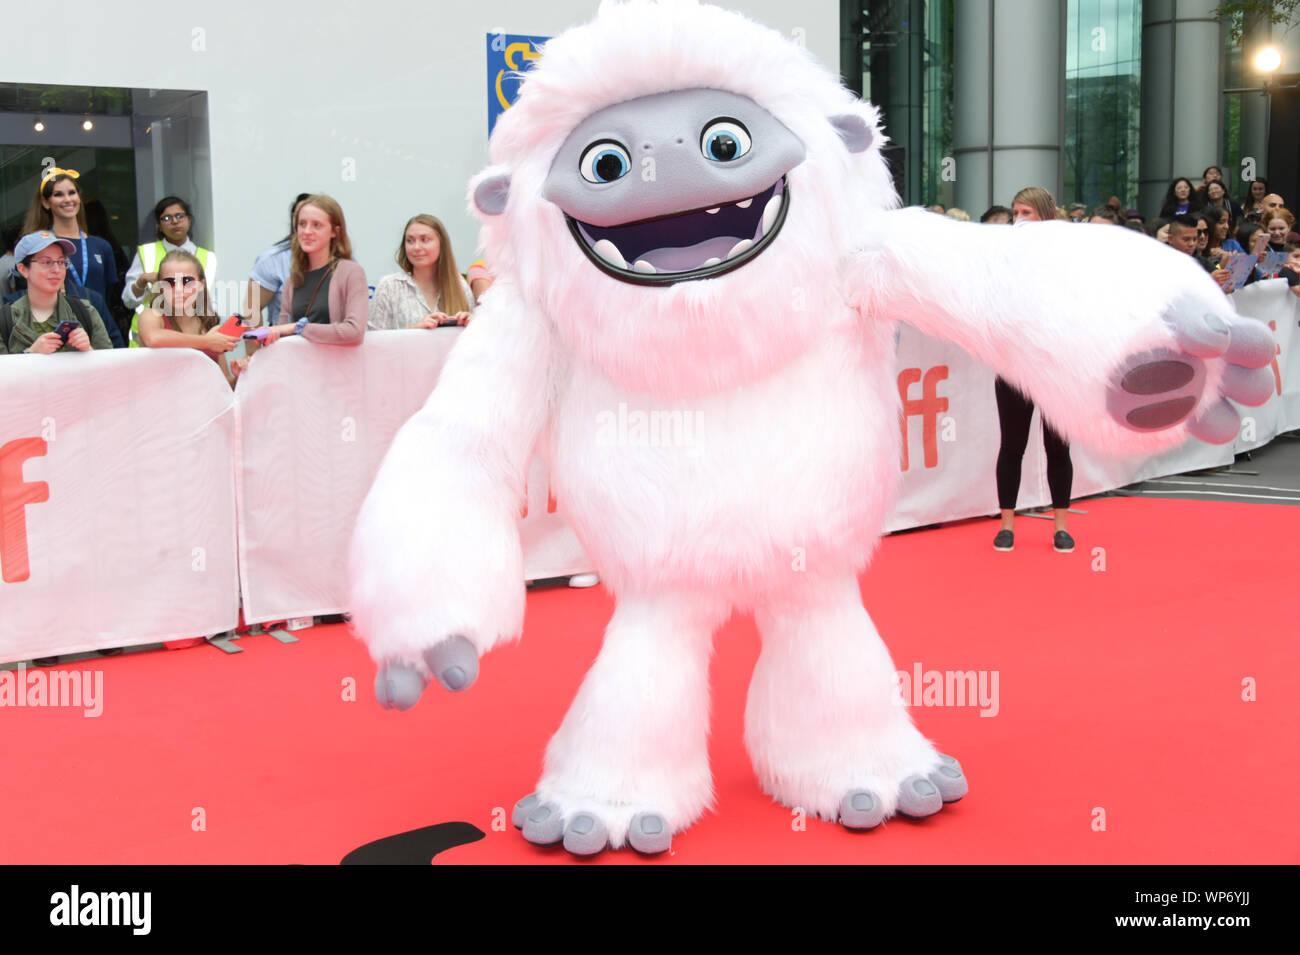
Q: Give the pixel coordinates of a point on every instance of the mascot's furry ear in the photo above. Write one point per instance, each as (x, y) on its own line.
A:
(490, 190)
(855, 132)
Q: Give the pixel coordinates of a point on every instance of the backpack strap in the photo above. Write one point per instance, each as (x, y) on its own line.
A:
(79, 310)
(6, 324)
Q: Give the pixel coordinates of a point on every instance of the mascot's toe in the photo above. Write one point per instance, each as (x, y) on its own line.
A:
(649, 833)
(585, 835)
(454, 662)
(861, 810)
(544, 825)
(918, 797)
(398, 685)
(949, 779)
(522, 809)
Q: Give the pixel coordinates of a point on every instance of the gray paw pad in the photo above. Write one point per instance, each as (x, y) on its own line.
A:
(949, 779)
(861, 810)
(1156, 377)
(585, 835)
(649, 833)
(454, 663)
(918, 797)
(398, 685)
(522, 808)
(544, 825)
(1155, 389)
(1163, 414)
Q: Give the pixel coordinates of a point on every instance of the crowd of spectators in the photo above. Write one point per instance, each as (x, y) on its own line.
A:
(1204, 222)
(67, 284)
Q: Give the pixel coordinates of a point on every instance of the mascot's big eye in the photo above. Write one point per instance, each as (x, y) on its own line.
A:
(604, 162)
(724, 140)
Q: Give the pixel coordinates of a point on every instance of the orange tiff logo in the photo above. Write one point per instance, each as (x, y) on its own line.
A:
(15, 495)
(928, 407)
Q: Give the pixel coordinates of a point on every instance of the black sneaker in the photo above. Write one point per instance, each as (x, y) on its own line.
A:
(1063, 543)
(1004, 541)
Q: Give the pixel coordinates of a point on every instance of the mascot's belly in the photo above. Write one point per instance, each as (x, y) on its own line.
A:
(734, 490)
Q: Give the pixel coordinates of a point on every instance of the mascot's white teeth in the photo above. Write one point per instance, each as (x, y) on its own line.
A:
(609, 252)
(770, 212)
(745, 204)
(713, 211)
(641, 265)
(742, 246)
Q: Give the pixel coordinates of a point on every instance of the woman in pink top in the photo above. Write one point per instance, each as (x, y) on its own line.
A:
(326, 299)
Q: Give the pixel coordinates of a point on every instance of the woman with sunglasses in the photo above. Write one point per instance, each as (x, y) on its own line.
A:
(174, 220)
(185, 317)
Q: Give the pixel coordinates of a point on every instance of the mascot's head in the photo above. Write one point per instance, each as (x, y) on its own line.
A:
(675, 187)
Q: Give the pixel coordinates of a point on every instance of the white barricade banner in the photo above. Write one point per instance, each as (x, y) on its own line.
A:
(116, 501)
(314, 424)
(1273, 304)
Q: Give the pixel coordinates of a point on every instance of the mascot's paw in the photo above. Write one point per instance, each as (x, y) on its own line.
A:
(1158, 389)
(584, 832)
(453, 662)
(918, 797)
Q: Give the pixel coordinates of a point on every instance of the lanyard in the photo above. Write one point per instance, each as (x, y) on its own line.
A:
(85, 264)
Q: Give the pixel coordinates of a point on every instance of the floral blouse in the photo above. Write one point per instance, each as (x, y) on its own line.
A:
(399, 303)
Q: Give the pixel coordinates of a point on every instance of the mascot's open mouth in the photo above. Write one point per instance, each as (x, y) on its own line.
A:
(684, 246)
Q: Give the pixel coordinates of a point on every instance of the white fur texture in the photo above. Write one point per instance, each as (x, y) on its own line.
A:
(787, 366)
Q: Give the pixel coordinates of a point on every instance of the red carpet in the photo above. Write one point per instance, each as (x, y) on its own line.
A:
(1120, 690)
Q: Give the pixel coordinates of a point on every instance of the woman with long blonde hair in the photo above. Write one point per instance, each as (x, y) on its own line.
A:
(1015, 411)
(326, 299)
(429, 291)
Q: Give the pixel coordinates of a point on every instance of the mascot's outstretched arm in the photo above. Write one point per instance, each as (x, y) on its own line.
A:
(1123, 342)
(436, 563)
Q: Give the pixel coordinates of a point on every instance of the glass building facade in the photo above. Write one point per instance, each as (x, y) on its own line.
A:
(899, 54)
(905, 50)
(1103, 81)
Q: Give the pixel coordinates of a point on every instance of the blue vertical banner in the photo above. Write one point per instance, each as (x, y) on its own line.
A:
(507, 54)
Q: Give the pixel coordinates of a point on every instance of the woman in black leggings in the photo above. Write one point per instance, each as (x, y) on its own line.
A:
(1015, 412)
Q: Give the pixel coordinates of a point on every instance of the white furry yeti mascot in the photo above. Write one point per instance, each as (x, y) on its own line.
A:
(687, 215)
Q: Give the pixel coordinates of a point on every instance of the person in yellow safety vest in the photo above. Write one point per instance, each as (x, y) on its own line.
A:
(174, 220)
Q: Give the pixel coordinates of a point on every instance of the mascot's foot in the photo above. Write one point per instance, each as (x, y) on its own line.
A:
(918, 797)
(584, 833)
